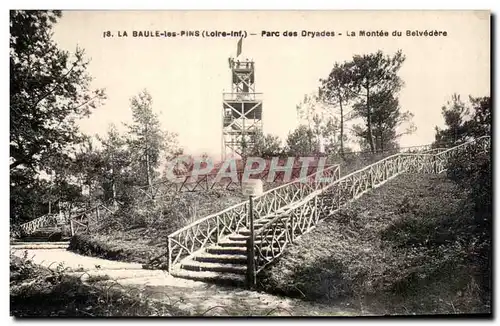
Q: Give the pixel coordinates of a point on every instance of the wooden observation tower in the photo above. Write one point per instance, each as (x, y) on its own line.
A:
(242, 110)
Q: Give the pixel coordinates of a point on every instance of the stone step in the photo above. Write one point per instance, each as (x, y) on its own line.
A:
(240, 237)
(226, 250)
(221, 267)
(46, 245)
(211, 277)
(32, 243)
(259, 225)
(223, 258)
(41, 239)
(240, 243)
(233, 243)
(247, 232)
(48, 232)
(44, 232)
(233, 250)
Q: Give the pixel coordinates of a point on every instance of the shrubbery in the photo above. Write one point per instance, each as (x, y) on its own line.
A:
(472, 172)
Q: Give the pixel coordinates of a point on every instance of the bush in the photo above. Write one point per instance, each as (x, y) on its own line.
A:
(471, 170)
(128, 246)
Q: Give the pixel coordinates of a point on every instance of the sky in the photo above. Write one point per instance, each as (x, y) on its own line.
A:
(187, 76)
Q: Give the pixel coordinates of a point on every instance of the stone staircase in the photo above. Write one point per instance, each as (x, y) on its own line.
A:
(222, 263)
(226, 262)
(47, 237)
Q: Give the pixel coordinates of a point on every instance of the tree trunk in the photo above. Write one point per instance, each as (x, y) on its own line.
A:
(113, 180)
(369, 119)
(113, 188)
(148, 164)
(147, 169)
(341, 128)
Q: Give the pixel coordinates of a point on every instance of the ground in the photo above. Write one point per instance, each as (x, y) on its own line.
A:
(181, 297)
(407, 247)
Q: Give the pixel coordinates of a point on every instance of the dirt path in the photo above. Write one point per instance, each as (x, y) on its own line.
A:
(195, 298)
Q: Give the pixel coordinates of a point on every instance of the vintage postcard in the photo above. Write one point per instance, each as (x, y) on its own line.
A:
(250, 163)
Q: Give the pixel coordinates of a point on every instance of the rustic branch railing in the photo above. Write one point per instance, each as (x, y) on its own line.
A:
(300, 217)
(40, 222)
(84, 220)
(210, 229)
(79, 220)
(210, 181)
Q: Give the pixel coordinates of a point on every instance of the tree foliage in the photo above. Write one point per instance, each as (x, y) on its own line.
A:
(145, 137)
(49, 91)
(323, 125)
(464, 120)
(364, 88)
(472, 171)
(265, 145)
(337, 90)
(301, 142)
(117, 167)
(375, 80)
(387, 119)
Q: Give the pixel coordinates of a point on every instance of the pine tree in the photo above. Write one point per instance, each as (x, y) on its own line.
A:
(145, 138)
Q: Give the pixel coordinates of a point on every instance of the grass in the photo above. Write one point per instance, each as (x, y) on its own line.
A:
(140, 233)
(405, 248)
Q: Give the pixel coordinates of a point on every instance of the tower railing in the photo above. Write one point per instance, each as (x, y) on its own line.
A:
(243, 96)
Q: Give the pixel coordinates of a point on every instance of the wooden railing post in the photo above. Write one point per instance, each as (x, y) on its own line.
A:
(71, 226)
(251, 281)
(293, 224)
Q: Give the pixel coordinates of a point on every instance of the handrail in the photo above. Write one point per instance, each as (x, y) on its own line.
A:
(272, 203)
(247, 201)
(403, 162)
(31, 226)
(207, 181)
(319, 191)
(212, 228)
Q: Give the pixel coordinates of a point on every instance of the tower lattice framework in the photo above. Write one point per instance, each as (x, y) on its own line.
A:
(242, 110)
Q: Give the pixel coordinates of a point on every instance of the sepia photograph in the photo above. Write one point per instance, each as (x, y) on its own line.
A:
(243, 163)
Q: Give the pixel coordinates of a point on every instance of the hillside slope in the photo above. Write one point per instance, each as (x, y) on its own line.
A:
(404, 248)
(140, 233)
